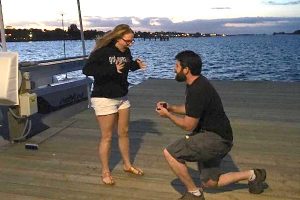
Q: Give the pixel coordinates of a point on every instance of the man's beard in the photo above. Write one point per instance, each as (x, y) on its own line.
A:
(180, 77)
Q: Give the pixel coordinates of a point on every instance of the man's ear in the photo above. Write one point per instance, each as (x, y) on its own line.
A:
(186, 70)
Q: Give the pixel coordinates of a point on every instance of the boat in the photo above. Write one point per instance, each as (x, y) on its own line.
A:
(30, 91)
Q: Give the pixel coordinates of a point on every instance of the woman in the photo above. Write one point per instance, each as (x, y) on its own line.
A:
(109, 64)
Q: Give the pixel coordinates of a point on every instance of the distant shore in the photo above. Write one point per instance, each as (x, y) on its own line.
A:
(73, 33)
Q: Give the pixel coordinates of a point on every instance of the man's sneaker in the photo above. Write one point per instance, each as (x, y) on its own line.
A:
(256, 186)
(190, 196)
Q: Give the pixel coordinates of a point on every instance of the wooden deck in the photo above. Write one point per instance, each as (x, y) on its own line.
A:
(266, 121)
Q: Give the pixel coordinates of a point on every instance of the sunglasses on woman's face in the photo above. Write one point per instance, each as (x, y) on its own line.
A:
(128, 42)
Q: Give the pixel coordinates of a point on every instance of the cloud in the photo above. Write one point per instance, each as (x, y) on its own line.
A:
(141, 24)
(135, 21)
(39, 25)
(245, 25)
(251, 25)
(221, 8)
(283, 3)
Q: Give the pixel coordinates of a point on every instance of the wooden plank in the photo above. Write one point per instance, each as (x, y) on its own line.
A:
(265, 120)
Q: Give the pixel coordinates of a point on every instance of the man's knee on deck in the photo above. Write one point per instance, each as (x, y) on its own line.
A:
(210, 184)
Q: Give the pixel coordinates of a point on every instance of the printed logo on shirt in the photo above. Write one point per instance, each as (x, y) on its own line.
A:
(113, 59)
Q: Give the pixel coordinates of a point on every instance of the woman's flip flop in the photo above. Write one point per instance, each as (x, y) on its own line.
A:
(134, 170)
(107, 179)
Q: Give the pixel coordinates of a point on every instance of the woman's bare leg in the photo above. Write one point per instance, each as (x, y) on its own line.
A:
(123, 126)
(106, 124)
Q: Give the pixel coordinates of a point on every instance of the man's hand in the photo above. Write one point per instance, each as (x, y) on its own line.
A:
(187, 123)
(162, 108)
(162, 104)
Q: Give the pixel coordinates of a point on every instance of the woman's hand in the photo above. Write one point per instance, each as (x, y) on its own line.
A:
(120, 65)
(141, 64)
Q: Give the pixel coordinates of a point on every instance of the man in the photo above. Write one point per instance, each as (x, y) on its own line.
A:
(211, 134)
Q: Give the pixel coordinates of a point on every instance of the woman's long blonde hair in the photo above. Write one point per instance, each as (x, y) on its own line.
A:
(116, 33)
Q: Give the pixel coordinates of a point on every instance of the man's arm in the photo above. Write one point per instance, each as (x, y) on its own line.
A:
(187, 123)
(178, 109)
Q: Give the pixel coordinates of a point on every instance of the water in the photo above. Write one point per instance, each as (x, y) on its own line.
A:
(262, 57)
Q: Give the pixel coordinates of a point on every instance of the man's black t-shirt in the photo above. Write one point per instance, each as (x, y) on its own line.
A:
(203, 102)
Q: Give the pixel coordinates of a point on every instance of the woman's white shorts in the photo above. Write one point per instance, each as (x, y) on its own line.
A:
(106, 106)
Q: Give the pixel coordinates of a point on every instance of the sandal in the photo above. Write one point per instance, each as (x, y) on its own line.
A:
(107, 179)
(134, 170)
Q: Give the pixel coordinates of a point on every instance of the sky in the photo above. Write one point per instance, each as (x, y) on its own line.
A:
(204, 16)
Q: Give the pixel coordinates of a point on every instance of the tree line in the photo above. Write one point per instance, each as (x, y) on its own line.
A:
(73, 33)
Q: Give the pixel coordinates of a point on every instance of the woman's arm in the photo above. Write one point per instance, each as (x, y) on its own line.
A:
(135, 64)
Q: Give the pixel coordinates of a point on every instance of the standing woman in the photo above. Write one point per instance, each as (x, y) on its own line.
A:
(109, 64)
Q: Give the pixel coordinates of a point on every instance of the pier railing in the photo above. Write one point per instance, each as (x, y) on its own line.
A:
(42, 73)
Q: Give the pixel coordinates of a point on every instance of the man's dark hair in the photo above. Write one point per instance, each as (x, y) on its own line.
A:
(191, 60)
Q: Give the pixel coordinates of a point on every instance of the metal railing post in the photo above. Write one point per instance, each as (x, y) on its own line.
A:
(3, 41)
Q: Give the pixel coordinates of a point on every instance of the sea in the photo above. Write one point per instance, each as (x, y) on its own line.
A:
(236, 58)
